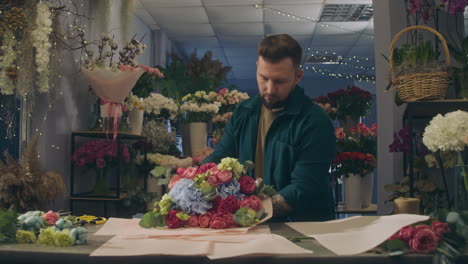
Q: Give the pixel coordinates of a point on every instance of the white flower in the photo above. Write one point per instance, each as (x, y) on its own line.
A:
(42, 44)
(447, 132)
(157, 102)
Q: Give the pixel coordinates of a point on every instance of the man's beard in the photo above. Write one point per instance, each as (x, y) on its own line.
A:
(275, 105)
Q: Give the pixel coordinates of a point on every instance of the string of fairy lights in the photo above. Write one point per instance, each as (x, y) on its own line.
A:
(345, 61)
(51, 104)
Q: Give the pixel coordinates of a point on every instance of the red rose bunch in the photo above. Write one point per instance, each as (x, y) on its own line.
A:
(352, 101)
(353, 163)
(99, 153)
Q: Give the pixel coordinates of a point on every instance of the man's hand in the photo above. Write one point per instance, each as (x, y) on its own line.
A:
(280, 206)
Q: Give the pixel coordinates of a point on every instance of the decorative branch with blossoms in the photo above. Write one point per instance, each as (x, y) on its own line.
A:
(42, 44)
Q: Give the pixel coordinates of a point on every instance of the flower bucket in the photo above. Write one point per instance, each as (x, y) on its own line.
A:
(352, 191)
(366, 189)
(136, 121)
(194, 137)
(404, 205)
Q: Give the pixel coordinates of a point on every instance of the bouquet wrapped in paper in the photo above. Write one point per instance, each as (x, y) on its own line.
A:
(111, 81)
(216, 196)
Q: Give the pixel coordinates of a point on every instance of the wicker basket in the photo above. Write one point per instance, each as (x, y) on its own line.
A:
(420, 86)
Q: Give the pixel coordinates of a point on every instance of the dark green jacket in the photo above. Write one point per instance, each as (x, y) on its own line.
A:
(299, 147)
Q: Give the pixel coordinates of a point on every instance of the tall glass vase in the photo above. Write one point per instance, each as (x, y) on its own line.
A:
(100, 184)
(461, 184)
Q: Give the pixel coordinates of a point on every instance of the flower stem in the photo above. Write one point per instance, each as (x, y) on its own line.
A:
(464, 172)
(445, 180)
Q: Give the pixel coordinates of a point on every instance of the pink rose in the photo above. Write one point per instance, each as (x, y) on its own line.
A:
(172, 221)
(406, 234)
(174, 180)
(339, 133)
(224, 176)
(204, 220)
(50, 217)
(213, 180)
(193, 221)
(214, 171)
(218, 223)
(424, 241)
(180, 171)
(420, 227)
(81, 162)
(215, 203)
(190, 173)
(253, 202)
(394, 236)
(223, 91)
(247, 184)
(440, 228)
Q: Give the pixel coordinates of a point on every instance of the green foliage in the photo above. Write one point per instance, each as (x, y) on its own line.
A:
(137, 199)
(414, 55)
(7, 225)
(145, 85)
(395, 245)
(152, 219)
(181, 78)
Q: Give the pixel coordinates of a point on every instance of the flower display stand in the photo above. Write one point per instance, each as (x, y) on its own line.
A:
(106, 184)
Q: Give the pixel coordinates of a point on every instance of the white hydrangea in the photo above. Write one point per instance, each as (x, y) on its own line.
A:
(9, 55)
(447, 133)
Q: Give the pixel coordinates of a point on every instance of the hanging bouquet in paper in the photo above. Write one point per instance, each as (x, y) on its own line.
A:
(217, 196)
(113, 79)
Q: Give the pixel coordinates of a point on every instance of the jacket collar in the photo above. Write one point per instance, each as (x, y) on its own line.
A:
(293, 107)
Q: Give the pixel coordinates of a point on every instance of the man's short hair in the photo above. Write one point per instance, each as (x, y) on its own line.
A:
(275, 48)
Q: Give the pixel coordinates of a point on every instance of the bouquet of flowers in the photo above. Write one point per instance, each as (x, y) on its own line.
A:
(443, 237)
(353, 163)
(362, 139)
(229, 101)
(111, 80)
(160, 106)
(214, 196)
(45, 229)
(198, 107)
(352, 101)
(134, 102)
(99, 153)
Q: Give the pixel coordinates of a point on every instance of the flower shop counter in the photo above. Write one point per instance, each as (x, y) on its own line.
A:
(32, 253)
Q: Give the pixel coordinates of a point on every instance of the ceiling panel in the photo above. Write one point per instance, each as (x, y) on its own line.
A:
(311, 12)
(304, 40)
(145, 16)
(331, 28)
(230, 2)
(178, 31)
(169, 3)
(240, 41)
(234, 14)
(240, 52)
(335, 40)
(179, 15)
(289, 28)
(207, 42)
(239, 29)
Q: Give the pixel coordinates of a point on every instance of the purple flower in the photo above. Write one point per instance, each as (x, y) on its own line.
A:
(188, 198)
(230, 188)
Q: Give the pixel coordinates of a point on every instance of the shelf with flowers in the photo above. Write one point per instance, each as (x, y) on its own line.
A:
(197, 110)
(347, 105)
(355, 162)
(229, 99)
